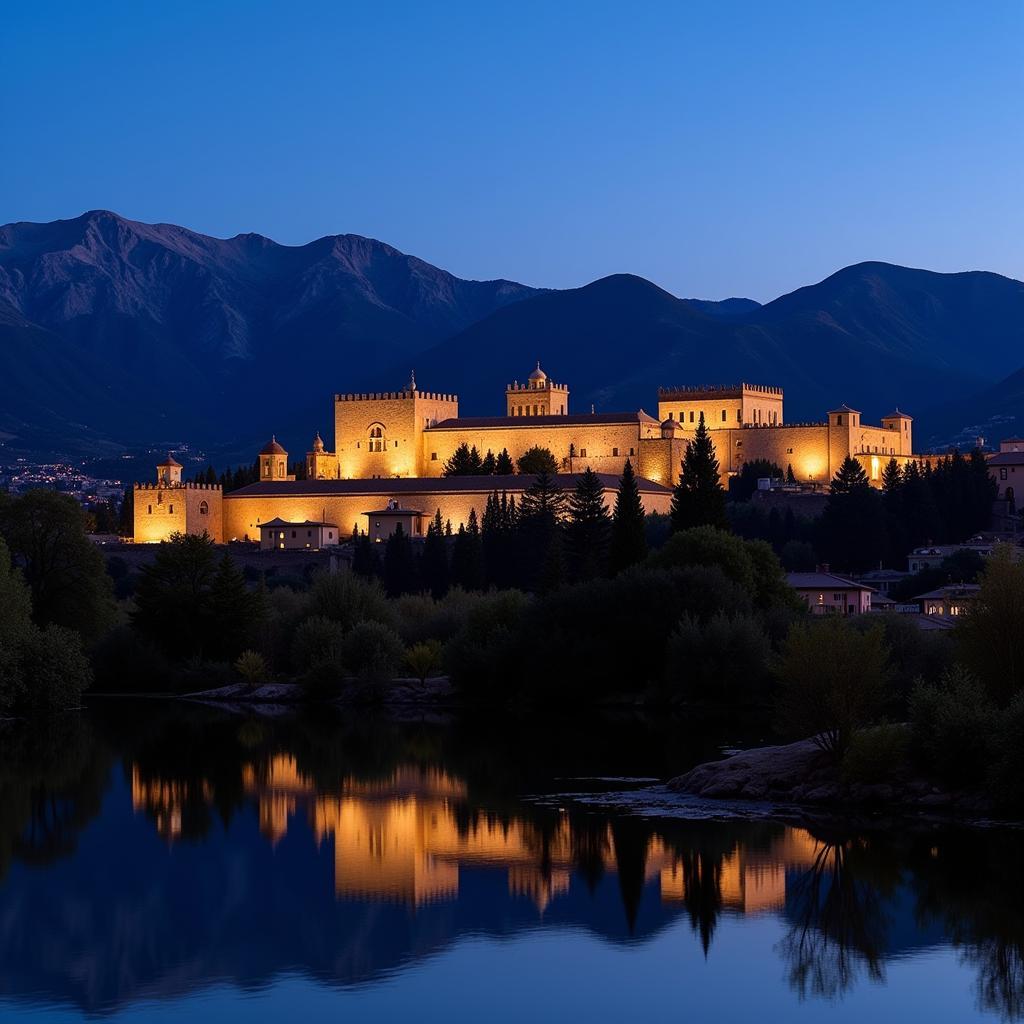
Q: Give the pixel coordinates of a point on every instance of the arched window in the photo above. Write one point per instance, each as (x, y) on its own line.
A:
(204, 508)
(377, 441)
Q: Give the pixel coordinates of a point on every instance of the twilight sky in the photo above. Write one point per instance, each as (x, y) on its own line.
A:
(717, 147)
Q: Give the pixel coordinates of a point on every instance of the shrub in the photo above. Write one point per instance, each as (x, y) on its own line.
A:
(348, 599)
(1007, 775)
(252, 667)
(875, 755)
(318, 640)
(478, 656)
(56, 671)
(722, 661)
(372, 651)
(423, 659)
(954, 726)
(832, 681)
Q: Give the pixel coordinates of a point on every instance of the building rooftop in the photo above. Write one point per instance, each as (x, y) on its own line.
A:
(170, 461)
(821, 581)
(272, 447)
(479, 422)
(278, 523)
(381, 486)
(950, 590)
(1006, 459)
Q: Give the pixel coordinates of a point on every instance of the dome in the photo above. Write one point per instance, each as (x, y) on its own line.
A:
(538, 374)
(272, 447)
(318, 443)
(170, 461)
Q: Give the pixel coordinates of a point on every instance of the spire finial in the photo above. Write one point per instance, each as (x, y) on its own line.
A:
(412, 380)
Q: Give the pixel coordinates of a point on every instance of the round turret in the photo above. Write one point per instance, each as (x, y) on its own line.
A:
(538, 376)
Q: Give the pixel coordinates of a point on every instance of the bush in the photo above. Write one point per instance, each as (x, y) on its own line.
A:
(1007, 775)
(56, 670)
(954, 725)
(479, 655)
(371, 651)
(832, 681)
(722, 661)
(252, 667)
(348, 599)
(423, 659)
(875, 755)
(317, 641)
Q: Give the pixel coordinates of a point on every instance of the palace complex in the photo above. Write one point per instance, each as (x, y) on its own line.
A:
(390, 449)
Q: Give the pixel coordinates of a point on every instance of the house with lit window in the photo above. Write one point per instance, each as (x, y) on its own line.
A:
(827, 594)
(281, 535)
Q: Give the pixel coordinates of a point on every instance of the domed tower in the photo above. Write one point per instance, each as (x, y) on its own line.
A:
(539, 396)
(320, 463)
(168, 472)
(273, 462)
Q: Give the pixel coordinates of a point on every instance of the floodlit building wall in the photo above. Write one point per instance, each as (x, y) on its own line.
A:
(161, 511)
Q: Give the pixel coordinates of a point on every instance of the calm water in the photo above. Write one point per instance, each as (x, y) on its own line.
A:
(164, 863)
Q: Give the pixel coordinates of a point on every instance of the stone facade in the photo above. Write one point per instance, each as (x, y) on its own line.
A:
(163, 509)
(382, 438)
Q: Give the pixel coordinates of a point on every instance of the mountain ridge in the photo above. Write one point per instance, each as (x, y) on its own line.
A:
(113, 331)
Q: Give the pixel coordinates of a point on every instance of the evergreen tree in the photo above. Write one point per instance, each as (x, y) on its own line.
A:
(742, 486)
(399, 564)
(434, 560)
(537, 460)
(465, 461)
(503, 465)
(489, 464)
(628, 539)
(365, 557)
(467, 556)
(126, 518)
(235, 612)
(540, 516)
(790, 475)
(852, 525)
(892, 478)
(699, 498)
(543, 498)
(588, 532)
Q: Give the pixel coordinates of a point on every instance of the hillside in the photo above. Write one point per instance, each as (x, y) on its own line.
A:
(136, 330)
(114, 332)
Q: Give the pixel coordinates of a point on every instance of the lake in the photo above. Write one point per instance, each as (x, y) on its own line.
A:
(163, 861)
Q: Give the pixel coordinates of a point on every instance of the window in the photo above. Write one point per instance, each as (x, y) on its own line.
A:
(837, 597)
(632, 452)
(739, 415)
(330, 534)
(204, 508)
(293, 535)
(377, 442)
(172, 510)
(281, 535)
(839, 420)
(671, 415)
(1002, 472)
(615, 452)
(583, 453)
(433, 456)
(789, 451)
(821, 599)
(691, 415)
(151, 507)
(723, 415)
(309, 533)
(739, 444)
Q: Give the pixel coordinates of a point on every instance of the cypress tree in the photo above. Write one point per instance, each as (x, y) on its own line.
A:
(399, 564)
(467, 556)
(434, 560)
(699, 498)
(853, 523)
(628, 541)
(234, 613)
(365, 558)
(588, 531)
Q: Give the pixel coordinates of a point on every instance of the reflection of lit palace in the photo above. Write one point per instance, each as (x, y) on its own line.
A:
(390, 449)
(399, 839)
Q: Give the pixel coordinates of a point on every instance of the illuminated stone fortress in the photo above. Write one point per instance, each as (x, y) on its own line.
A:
(391, 448)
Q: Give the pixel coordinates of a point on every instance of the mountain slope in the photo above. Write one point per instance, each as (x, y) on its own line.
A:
(873, 335)
(154, 330)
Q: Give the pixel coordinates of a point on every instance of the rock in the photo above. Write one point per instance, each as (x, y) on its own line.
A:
(762, 770)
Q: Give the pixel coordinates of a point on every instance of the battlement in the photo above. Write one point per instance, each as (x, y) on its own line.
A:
(783, 426)
(546, 385)
(692, 392)
(380, 396)
(183, 486)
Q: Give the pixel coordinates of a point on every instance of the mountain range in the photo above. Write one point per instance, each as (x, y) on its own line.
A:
(115, 333)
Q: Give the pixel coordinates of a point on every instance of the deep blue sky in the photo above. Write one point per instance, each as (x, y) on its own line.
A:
(716, 147)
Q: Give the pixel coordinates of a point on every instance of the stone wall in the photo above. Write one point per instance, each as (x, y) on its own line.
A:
(160, 511)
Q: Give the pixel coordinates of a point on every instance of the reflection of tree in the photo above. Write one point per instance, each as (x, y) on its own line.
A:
(52, 776)
(972, 883)
(840, 925)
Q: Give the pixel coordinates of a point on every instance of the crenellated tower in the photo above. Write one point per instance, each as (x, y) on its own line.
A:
(539, 396)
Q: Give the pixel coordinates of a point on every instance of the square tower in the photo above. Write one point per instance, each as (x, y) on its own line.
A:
(539, 396)
(380, 434)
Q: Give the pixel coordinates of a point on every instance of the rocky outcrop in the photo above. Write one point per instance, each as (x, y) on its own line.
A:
(802, 774)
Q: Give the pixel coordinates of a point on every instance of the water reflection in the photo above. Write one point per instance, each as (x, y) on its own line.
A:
(152, 855)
